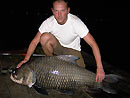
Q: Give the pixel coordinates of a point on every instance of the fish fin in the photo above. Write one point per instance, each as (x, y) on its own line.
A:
(31, 79)
(92, 90)
(69, 58)
(40, 90)
(109, 90)
(67, 92)
(109, 82)
(112, 78)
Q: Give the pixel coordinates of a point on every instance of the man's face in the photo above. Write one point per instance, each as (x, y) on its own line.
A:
(60, 11)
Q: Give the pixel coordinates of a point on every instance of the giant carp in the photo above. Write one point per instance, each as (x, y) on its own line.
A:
(60, 73)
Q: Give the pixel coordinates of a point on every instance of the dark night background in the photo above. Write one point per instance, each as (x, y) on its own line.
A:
(107, 21)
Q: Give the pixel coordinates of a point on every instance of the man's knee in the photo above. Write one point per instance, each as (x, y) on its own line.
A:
(44, 37)
(48, 43)
(47, 38)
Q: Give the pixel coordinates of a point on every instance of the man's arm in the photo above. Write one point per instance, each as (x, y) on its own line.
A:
(91, 41)
(33, 45)
(31, 49)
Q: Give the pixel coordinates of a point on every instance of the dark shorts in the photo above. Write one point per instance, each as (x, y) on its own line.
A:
(60, 50)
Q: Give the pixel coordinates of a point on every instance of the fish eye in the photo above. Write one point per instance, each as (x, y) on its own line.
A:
(14, 72)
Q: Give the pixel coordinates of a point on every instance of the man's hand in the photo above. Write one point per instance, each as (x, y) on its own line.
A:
(100, 75)
(22, 62)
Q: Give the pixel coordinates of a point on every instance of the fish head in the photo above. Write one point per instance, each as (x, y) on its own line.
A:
(16, 76)
(24, 76)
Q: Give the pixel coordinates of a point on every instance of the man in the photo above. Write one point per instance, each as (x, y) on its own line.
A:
(61, 33)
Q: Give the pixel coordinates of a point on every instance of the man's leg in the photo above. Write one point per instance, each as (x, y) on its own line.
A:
(51, 46)
(48, 43)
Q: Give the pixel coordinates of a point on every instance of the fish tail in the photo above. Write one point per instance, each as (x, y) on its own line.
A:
(109, 82)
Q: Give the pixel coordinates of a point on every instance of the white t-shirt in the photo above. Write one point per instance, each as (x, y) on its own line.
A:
(68, 34)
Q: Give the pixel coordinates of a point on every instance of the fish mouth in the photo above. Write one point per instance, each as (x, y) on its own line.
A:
(14, 74)
(13, 78)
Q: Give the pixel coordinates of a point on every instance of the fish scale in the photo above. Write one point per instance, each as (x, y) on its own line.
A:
(50, 71)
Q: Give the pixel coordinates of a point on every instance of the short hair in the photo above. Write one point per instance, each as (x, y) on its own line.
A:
(66, 1)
